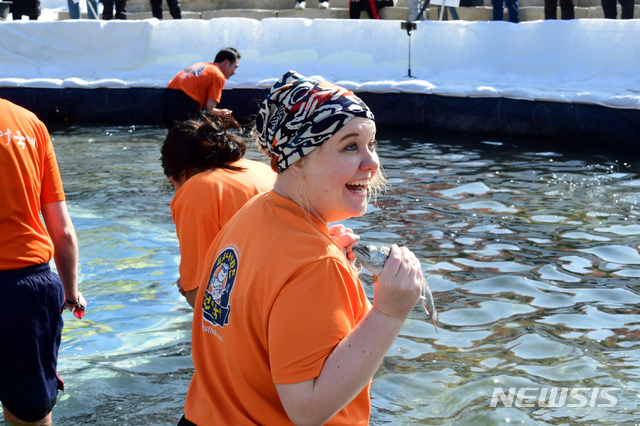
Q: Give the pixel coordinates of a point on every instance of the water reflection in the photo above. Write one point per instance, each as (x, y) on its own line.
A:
(538, 252)
(531, 254)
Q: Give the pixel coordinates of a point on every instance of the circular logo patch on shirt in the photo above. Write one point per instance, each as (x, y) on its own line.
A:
(215, 305)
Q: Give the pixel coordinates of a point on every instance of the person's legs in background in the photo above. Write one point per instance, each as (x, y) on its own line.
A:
(74, 9)
(609, 9)
(75, 13)
(92, 9)
(514, 13)
(121, 10)
(498, 10)
(627, 9)
(174, 9)
(156, 8)
(355, 8)
(414, 6)
(566, 9)
(107, 10)
(371, 8)
(29, 8)
(550, 9)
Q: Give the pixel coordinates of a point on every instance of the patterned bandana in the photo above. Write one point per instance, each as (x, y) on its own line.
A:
(300, 113)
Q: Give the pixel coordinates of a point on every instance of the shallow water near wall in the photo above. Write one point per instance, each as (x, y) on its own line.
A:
(531, 254)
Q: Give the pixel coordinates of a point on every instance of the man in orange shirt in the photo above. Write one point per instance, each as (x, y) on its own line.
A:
(203, 159)
(198, 89)
(32, 297)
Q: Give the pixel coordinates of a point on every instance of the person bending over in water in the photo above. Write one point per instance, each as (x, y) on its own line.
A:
(198, 88)
(203, 159)
(293, 339)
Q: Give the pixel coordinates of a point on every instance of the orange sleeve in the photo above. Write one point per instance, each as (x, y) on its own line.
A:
(215, 89)
(52, 189)
(196, 229)
(302, 332)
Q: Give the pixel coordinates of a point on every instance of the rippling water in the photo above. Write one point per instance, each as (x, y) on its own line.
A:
(531, 254)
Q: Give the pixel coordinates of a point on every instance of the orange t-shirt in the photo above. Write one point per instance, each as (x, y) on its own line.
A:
(205, 203)
(201, 81)
(277, 296)
(29, 177)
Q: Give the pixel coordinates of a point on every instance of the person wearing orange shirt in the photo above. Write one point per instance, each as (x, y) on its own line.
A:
(198, 88)
(283, 332)
(32, 297)
(203, 159)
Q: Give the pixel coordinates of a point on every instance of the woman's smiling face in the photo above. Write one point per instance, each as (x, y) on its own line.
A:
(335, 176)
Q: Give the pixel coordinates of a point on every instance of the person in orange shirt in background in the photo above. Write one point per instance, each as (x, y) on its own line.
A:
(203, 159)
(32, 297)
(198, 89)
(283, 332)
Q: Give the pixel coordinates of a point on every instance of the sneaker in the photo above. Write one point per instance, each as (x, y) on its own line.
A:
(323, 5)
(301, 5)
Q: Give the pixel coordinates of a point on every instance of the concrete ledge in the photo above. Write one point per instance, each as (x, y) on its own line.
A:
(533, 13)
(311, 13)
(313, 4)
(139, 16)
(139, 6)
(585, 3)
(529, 10)
(397, 13)
(185, 15)
(523, 3)
(527, 13)
(579, 12)
(480, 13)
(239, 13)
(592, 12)
(165, 15)
(260, 4)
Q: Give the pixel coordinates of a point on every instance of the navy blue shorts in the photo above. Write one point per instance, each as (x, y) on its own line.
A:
(176, 105)
(31, 323)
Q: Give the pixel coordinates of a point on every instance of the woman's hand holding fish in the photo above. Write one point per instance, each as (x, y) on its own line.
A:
(344, 238)
(398, 287)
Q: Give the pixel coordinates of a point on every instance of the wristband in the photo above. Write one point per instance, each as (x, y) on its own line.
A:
(78, 310)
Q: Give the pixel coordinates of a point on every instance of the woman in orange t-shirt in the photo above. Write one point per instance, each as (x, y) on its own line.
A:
(283, 332)
(203, 159)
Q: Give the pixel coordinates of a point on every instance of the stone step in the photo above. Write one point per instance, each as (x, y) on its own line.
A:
(136, 6)
(527, 13)
(211, 5)
(529, 10)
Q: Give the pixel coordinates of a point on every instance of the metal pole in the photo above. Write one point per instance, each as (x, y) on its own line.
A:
(409, 55)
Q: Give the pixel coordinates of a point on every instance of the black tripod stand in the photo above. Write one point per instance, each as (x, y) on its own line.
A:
(410, 26)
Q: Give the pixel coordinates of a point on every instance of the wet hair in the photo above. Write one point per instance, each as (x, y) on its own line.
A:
(229, 53)
(202, 144)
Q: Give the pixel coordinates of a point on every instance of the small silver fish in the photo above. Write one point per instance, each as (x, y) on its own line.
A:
(373, 257)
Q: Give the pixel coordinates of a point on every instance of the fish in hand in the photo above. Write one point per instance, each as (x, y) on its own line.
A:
(373, 258)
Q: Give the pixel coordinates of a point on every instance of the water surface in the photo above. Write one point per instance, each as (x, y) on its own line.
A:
(531, 254)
